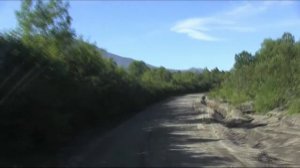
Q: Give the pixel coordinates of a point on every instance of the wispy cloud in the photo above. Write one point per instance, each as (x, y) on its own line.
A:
(199, 28)
(205, 28)
(247, 9)
(250, 9)
(195, 28)
(196, 34)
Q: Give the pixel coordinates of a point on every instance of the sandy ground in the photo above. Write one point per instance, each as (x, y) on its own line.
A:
(180, 132)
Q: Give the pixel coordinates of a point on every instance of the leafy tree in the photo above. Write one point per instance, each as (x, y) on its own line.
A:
(137, 68)
(54, 84)
(242, 59)
(46, 18)
(288, 38)
(270, 78)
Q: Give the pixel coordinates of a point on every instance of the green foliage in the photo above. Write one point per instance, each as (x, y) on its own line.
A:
(270, 77)
(53, 85)
(137, 68)
(243, 59)
(294, 106)
(44, 18)
(267, 98)
(47, 95)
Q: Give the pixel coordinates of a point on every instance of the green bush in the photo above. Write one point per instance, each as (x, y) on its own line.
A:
(270, 77)
(294, 107)
(55, 85)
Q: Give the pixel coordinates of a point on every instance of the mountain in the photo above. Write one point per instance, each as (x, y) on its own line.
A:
(121, 61)
(195, 70)
(125, 62)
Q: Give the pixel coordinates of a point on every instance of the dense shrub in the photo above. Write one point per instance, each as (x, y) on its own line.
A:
(270, 77)
(53, 85)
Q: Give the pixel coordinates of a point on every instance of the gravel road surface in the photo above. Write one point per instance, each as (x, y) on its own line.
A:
(174, 133)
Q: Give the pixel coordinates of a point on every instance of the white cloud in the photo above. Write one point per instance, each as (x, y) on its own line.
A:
(240, 10)
(248, 9)
(197, 28)
(234, 20)
(197, 35)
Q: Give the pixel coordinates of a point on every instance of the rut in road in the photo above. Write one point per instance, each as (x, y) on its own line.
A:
(170, 133)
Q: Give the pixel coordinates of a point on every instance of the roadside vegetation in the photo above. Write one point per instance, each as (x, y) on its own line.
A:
(270, 78)
(54, 84)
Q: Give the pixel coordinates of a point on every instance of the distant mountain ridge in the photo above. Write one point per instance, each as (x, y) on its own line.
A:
(121, 61)
(125, 62)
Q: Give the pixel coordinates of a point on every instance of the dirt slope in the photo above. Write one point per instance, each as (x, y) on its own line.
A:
(181, 132)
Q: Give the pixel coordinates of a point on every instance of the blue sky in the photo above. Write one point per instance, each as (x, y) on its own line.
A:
(177, 34)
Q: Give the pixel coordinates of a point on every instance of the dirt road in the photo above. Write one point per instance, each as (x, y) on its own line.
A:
(172, 133)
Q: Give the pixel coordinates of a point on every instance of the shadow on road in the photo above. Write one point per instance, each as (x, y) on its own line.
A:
(175, 141)
(162, 135)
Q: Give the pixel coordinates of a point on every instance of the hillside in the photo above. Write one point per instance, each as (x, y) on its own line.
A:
(125, 62)
(120, 60)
